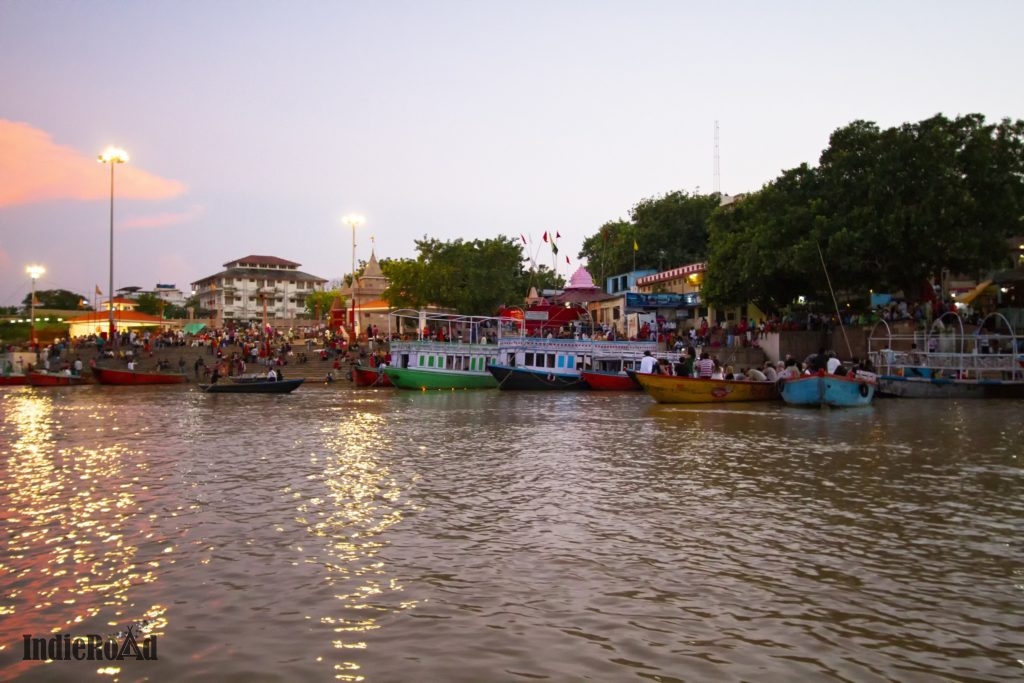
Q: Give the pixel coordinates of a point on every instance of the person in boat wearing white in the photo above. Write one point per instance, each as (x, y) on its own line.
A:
(648, 364)
(271, 375)
(832, 363)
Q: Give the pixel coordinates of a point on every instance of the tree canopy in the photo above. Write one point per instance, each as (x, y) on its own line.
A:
(318, 303)
(663, 232)
(60, 299)
(473, 277)
(888, 209)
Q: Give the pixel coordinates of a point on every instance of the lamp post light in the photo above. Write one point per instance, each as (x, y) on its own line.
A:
(34, 272)
(354, 220)
(112, 156)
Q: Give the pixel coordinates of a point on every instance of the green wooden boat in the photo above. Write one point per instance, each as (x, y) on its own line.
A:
(441, 365)
(416, 378)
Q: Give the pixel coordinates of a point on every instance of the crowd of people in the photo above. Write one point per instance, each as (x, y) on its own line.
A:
(703, 365)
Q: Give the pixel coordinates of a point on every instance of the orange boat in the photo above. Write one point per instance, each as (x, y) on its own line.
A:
(136, 377)
(674, 389)
(54, 379)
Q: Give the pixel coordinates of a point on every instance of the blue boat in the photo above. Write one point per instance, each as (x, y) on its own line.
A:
(516, 378)
(829, 390)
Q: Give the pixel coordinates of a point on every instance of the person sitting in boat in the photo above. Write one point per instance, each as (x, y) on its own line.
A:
(755, 375)
(833, 363)
(705, 366)
(271, 374)
(280, 375)
(648, 363)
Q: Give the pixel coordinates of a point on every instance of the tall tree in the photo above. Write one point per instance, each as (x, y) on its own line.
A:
(887, 208)
(663, 232)
(60, 299)
(474, 278)
(318, 303)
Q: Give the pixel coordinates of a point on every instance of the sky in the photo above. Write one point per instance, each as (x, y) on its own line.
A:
(254, 126)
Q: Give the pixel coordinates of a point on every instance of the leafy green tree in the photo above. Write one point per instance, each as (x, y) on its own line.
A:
(664, 232)
(149, 304)
(318, 303)
(60, 299)
(885, 209)
(474, 277)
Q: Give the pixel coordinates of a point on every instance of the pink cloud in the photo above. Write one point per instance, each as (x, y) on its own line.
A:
(33, 168)
(161, 220)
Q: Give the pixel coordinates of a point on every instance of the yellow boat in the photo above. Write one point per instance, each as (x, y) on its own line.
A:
(672, 389)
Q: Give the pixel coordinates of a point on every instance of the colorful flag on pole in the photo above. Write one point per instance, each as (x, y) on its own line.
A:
(554, 248)
(545, 235)
(557, 234)
(524, 237)
(636, 247)
(566, 260)
(98, 292)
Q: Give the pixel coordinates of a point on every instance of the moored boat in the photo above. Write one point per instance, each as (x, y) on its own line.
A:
(540, 363)
(600, 380)
(837, 391)
(510, 377)
(136, 377)
(676, 389)
(253, 386)
(54, 379)
(366, 376)
(447, 351)
(944, 362)
(13, 380)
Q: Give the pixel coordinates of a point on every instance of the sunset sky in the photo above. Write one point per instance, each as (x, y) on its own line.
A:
(254, 126)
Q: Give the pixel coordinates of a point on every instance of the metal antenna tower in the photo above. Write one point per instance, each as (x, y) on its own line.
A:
(718, 177)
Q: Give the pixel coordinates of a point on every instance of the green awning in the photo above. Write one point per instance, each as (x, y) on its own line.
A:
(192, 328)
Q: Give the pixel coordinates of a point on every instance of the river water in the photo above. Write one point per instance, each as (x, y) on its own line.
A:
(379, 536)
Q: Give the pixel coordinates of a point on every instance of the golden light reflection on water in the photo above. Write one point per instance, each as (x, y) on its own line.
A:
(360, 504)
(70, 517)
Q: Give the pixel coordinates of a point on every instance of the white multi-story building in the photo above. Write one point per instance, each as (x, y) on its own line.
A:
(251, 285)
(169, 294)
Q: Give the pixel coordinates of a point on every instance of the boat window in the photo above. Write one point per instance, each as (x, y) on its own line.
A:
(551, 360)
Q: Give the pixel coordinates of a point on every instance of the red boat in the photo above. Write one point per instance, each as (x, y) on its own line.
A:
(609, 381)
(54, 379)
(365, 376)
(135, 377)
(13, 380)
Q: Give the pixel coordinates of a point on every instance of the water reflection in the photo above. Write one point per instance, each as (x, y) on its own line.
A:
(75, 542)
(359, 505)
(468, 536)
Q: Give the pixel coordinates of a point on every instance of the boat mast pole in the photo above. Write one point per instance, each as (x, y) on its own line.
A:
(835, 303)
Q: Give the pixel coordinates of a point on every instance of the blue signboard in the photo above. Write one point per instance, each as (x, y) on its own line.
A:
(662, 300)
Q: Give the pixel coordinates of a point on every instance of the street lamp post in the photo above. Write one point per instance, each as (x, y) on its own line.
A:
(112, 156)
(354, 220)
(34, 272)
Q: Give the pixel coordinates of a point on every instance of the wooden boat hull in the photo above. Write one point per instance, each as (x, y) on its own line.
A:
(609, 381)
(918, 387)
(13, 380)
(45, 379)
(673, 389)
(365, 376)
(259, 387)
(134, 377)
(828, 390)
(423, 380)
(525, 379)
